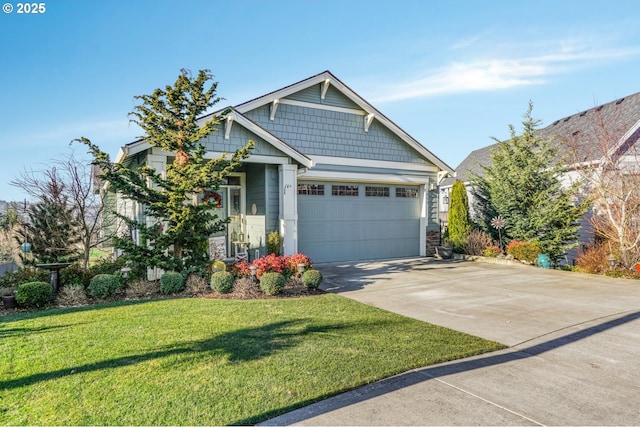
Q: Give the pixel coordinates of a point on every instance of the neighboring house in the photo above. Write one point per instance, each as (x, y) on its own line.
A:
(335, 177)
(584, 137)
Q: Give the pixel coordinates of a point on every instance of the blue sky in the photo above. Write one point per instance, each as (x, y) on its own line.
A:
(451, 73)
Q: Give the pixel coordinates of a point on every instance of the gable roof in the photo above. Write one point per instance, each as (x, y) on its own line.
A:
(327, 79)
(621, 117)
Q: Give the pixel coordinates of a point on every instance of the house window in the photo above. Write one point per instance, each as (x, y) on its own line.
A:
(407, 192)
(376, 191)
(231, 180)
(344, 190)
(311, 189)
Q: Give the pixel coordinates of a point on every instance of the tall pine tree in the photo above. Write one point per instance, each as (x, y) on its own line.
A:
(176, 237)
(522, 184)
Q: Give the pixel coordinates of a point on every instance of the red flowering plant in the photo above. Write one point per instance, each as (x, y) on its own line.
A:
(292, 262)
(270, 263)
(241, 269)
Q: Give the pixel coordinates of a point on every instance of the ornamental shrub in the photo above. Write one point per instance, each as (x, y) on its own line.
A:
(270, 264)
(524, 251)
(34, 294)
(292, 262)
(476, 242)
(104, 285)
(593, 259)
(274, 242)
(492, 251)
(23, 275)
(241, 269)
(272, 283)
(459, 222)
(171, 282)
(222, 282)
(312, 279)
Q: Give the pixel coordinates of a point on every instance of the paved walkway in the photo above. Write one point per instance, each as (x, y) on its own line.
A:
(573, 356)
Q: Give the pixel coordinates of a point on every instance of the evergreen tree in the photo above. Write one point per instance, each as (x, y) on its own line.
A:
(522, 184)
(175, 236)
(459, 223)
(51, 229)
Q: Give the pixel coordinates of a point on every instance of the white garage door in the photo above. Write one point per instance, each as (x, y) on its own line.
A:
(348, 222)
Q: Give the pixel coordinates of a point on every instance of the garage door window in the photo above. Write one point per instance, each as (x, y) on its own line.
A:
(311, 189)
(407, 192)
(376, 191)
(344, 190)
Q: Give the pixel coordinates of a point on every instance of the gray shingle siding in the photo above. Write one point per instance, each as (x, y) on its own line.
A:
(333, 133)
(238, 138)
(333, 97)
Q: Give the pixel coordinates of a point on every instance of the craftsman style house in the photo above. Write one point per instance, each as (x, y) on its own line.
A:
(336, 178)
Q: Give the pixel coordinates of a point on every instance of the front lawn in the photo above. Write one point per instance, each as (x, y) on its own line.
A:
(198, 361)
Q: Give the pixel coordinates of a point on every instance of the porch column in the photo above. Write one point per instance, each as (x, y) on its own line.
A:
(424, 218)
(288, 175)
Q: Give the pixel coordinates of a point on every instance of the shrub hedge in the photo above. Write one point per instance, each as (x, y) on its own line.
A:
(272, 283)
(171, 282)
(34, 294)
(104, 285)
(222, 281)
(312, 279)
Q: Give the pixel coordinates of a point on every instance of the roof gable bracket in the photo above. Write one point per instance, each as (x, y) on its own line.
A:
(367, 121)
(274, 108)
(325, 88)
(227, 126)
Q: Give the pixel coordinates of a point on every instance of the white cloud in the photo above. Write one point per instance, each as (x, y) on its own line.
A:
(504, 72)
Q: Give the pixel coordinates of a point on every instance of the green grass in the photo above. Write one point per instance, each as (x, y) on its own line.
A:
(204, 361)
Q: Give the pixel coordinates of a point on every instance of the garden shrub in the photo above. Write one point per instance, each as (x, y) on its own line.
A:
(524, 251)
(107, 266)
(270, 264)
(104, 285)
(171, 282)
(593, 259)
(292, 261)
(312, 279)
(241, 269)
(274, 242)
(34, 294)
(222, 282)
(272, 283)
(75, 275)
(12, 279)
(492, 251)
(196, 284)
(72, 295)
(142, 288)
(476, 242)
(245, 288)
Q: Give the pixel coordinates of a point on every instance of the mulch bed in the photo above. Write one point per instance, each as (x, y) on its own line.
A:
(244, 289)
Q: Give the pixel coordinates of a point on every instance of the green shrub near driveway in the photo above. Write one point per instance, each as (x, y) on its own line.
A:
(34, 294)
(104, 285)
(272, 283)
(171, 282)
(222, 281)
(312, 279)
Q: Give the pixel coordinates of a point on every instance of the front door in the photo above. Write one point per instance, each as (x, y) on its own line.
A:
(232, 206)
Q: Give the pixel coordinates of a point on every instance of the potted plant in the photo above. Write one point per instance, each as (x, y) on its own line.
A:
(445, 251)
(9, 297)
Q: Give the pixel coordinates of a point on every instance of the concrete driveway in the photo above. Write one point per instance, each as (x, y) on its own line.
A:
(573, 356)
